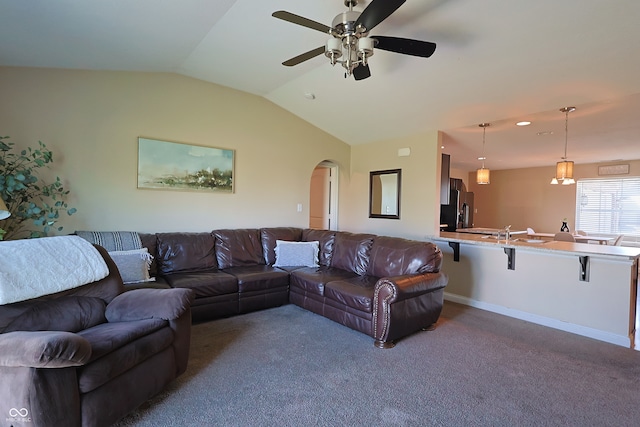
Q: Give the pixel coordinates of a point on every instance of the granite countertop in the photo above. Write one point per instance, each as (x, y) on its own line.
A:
(589, 249)
(489, 231)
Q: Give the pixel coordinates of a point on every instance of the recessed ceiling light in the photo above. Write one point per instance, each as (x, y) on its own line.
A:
(523, 123)
(544, 133)
(482, 158)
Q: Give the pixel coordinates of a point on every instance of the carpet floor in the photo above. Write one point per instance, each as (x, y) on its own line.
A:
(289, 367)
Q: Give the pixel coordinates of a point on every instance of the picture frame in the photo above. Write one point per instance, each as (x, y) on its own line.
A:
(168, 165)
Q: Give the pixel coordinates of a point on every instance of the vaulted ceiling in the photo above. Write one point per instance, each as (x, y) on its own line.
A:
(496, 61)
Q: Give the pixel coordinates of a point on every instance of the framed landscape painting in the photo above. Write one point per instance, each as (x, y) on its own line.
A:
(165, 165)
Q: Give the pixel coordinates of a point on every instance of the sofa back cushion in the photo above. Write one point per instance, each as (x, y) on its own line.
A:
(68, 313)
(270, 235)
(105, 289)
(392, 256)
(238, 248)
(351, 252)
(180, 252)
(326, 240)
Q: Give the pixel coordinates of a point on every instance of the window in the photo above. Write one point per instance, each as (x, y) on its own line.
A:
(609, 206)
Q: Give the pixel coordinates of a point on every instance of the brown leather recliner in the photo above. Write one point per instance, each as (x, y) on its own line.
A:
(104, 350)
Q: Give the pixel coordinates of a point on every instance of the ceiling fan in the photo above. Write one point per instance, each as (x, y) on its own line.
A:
(350, 37)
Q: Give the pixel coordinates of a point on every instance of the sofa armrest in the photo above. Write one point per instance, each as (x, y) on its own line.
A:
(405, 304)
(399, 288)
(139, 304)
(43, 349)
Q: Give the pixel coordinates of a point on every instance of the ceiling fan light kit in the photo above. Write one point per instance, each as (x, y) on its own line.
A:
(350, 44)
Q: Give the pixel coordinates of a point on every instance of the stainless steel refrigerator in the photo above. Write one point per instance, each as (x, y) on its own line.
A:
(458, 213)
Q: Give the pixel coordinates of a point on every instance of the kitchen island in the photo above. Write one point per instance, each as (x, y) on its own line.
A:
(581, 288)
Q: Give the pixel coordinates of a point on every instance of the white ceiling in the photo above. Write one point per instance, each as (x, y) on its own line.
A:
(496, 61)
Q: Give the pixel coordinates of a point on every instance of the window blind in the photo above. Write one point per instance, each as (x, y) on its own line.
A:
(609, 206)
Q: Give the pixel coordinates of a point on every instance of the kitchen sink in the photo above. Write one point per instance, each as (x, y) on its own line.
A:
(539, 241)
(516, 239)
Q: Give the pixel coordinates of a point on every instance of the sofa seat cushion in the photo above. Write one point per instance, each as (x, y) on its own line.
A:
(204, 283)
(356, 292)
(259, 277)
(313, 279)
(124, 357)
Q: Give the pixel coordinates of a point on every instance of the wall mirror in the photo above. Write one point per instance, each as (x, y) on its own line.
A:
(384, 194)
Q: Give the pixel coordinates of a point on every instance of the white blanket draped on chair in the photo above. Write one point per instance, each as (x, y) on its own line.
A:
(34, 267)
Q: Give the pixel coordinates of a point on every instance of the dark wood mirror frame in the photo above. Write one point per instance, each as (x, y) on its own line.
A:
(384, 193)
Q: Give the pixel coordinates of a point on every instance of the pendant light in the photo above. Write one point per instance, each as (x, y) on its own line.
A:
(564, 169)
(482, 174)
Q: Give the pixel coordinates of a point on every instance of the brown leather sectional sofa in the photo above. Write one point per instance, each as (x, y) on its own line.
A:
(385, 287)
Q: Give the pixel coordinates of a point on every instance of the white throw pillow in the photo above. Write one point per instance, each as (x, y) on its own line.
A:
(133, 265)
(296, 254)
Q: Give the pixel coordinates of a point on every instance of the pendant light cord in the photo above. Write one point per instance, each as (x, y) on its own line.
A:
(484, 132)
(566, 132)
(566, 111)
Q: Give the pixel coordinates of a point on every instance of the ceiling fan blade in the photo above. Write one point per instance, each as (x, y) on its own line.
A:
(295, 19)
(377, 11)
(361, 72)
(303, 57)
(405, 46)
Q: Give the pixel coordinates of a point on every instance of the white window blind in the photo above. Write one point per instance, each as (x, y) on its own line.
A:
(609, 206)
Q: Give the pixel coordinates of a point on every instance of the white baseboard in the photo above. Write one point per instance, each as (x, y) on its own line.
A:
(620, 340)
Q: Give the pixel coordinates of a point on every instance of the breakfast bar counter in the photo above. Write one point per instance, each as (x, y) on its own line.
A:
(582, 288)
(523, 241)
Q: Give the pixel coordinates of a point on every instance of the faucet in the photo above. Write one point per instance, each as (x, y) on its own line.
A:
(507, 233)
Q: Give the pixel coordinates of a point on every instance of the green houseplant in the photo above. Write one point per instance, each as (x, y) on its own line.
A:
(35, 205)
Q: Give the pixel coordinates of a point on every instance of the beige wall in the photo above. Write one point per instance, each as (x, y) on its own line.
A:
(420, 192)
(524, 198)
(91, 122)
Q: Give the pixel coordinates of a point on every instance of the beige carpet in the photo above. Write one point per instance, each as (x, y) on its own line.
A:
(289, 367)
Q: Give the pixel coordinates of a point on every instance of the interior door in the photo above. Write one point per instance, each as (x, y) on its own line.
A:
(319, 200)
